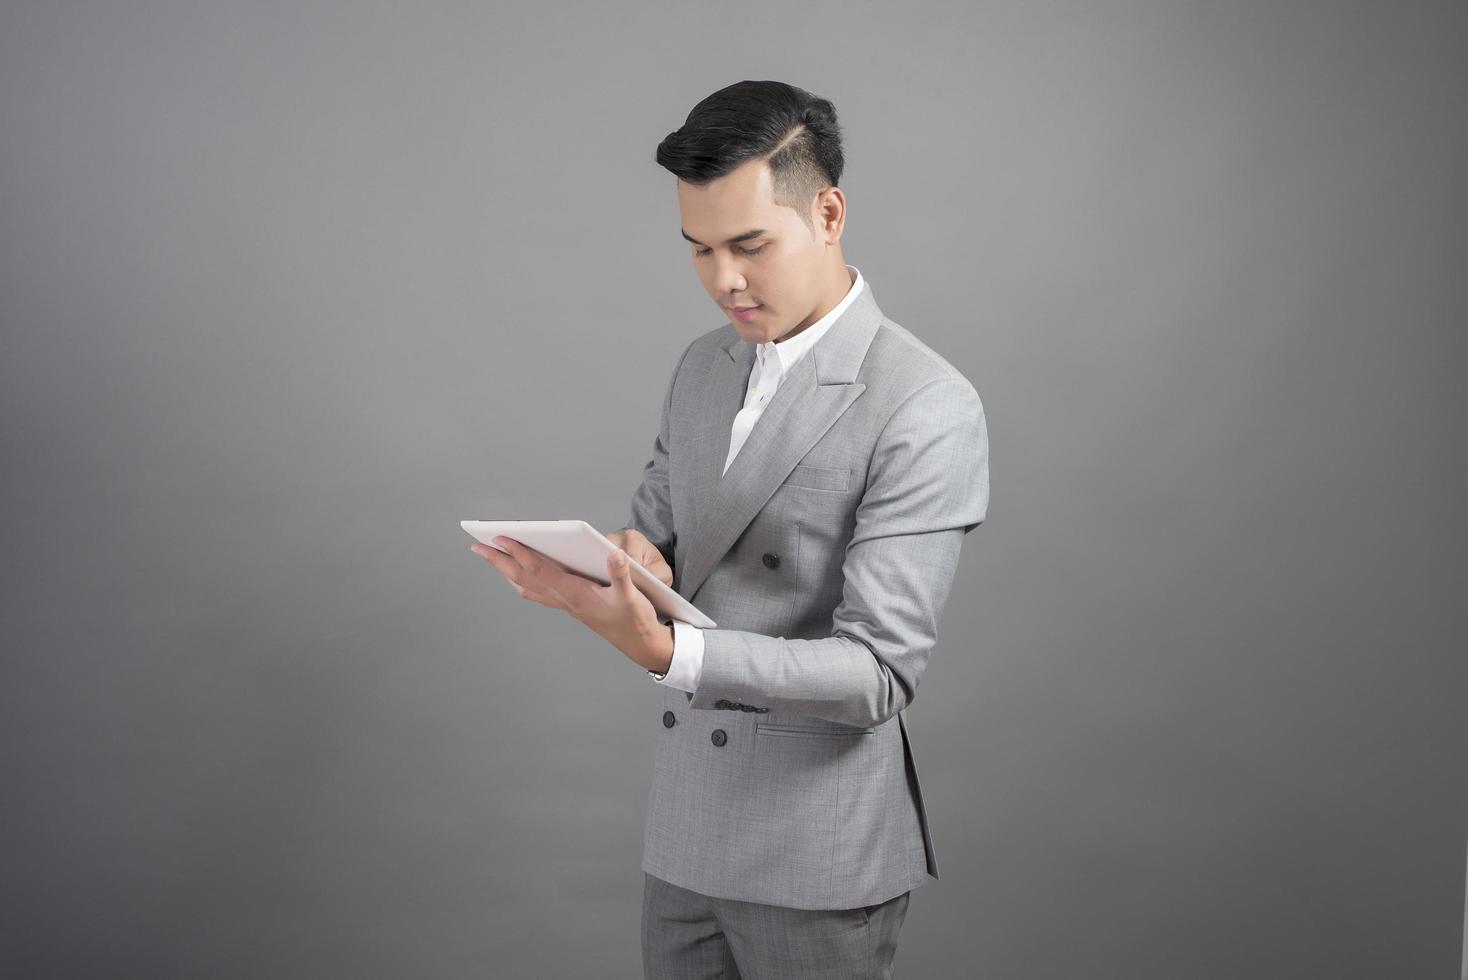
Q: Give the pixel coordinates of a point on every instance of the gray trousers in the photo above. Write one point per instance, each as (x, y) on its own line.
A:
(690, 936)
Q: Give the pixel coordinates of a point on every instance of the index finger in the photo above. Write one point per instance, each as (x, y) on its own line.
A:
(536, 563)
(516, 549)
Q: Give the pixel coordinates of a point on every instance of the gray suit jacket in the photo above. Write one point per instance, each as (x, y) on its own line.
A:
(825, 554)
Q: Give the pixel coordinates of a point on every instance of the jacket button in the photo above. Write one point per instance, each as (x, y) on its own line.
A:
(718, 737)
(771, 560)
(669, 719)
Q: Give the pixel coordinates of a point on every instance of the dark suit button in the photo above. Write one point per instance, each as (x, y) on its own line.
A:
(669, 719)
(718, 737)
(746, 707)
(721, 703)
(771, 561)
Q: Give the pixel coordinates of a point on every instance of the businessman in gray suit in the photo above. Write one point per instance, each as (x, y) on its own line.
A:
(815, 471)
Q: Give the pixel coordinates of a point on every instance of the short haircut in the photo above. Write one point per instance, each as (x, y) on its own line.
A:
(795, 130)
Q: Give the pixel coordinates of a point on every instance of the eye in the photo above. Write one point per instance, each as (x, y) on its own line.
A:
(746, 251)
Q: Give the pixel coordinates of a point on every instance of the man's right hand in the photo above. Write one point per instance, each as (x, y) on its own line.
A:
(642, 551)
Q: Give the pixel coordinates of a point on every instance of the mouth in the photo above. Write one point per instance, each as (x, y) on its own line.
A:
(744, 312)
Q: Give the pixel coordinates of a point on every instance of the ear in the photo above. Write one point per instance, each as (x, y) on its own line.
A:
(829, 210)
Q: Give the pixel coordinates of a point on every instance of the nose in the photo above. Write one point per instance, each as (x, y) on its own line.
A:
(730, 282)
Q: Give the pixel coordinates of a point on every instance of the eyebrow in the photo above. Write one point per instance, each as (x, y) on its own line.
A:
(752, 233)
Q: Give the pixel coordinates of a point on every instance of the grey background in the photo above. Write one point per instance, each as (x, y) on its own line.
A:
(289, 289)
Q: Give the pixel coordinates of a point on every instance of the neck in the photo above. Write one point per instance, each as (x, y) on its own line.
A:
(841, 281)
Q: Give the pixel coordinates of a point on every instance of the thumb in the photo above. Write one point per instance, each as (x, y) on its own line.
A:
(621, 572)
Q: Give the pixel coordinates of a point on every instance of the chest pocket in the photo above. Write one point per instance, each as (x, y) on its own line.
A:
(809, 477)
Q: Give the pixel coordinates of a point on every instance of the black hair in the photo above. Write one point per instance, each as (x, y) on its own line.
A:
(796, 130)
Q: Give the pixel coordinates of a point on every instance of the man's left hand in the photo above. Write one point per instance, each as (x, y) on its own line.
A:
(618, 612)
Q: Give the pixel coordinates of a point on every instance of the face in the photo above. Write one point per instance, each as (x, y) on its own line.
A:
(786, 271)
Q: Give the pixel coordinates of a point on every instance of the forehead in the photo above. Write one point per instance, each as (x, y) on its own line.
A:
(739, 197)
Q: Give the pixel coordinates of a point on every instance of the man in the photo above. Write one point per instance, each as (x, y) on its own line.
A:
(816, 469)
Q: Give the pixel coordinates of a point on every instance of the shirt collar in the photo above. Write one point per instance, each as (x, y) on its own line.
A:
(787, 352)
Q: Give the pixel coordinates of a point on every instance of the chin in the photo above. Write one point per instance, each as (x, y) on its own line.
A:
(752, 335)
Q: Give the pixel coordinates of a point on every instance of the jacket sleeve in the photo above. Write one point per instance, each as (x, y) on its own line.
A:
(652, 501)
(928, 486)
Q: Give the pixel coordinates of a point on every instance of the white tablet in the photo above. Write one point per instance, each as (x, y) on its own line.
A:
(578, 547)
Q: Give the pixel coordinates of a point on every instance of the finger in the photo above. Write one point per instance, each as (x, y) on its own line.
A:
(528, 558)
(621, 574)
(562, 588)
(495, 557)
(511, 548)
(498, 559)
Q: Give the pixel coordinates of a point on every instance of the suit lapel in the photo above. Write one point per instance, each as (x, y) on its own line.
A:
(819, 388)
(722, 398)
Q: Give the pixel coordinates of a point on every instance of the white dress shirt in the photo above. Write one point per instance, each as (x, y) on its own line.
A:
(771, 363)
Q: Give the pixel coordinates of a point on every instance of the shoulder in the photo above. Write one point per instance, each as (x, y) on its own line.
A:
(699, 351)
(712, 342)
(716, 338)
(901, 368)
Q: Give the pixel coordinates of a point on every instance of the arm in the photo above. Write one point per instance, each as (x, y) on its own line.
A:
(928, 487)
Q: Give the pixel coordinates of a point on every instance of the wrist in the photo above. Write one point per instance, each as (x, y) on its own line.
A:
(660, 660)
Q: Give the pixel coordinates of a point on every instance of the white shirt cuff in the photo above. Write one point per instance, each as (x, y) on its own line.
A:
(687, 664)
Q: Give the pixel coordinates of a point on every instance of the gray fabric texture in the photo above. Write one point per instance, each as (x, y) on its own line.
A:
(688, 936)
(826, 554)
